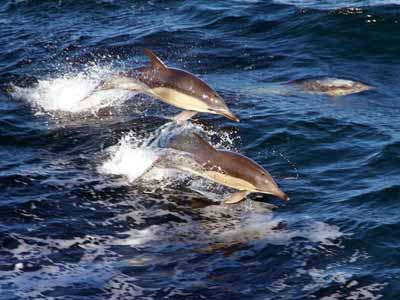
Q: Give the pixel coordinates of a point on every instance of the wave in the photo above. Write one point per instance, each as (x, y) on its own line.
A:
(34, 274)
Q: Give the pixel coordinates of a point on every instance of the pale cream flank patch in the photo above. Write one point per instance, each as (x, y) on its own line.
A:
(220, 178)
(230, 181)
(179, 99)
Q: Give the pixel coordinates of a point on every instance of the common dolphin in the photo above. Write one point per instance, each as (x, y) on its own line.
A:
(190, 152)
(173, 86)
(332, 86)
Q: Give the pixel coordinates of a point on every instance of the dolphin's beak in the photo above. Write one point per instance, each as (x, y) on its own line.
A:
(230, 116)
(281, 195)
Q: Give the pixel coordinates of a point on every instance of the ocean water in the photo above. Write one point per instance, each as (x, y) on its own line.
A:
(77, 223)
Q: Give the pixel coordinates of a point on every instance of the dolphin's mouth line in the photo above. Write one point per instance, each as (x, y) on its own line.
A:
(281, 195)
(226, 113)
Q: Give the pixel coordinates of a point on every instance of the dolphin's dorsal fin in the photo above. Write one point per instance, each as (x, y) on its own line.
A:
(190, 142)
(154, 59)
(202, 142)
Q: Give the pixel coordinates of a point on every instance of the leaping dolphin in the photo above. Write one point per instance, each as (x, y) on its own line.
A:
(173, 86)
(191, 153)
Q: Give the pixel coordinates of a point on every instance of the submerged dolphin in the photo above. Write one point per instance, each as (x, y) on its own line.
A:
(173, 86)
(332, 86)
(191, 153)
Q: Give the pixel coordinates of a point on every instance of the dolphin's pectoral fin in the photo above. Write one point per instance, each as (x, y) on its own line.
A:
(236, 197)
(184, 116)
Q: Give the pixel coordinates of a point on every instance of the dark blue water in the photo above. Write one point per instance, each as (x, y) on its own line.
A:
(73, 223)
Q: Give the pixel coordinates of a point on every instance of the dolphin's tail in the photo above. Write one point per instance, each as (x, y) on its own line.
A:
(119, 81)
(154, 165)
(171, 159)
(103, 85)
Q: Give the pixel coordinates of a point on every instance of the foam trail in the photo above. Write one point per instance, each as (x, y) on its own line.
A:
(262, 227)
(64, 93)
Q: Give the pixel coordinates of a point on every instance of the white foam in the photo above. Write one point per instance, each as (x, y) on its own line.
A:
(324, 233)
(263, 227)
(128, 159)
(132, 157)
(323, 277)
(18, 266)
(65, 92)
(367, 292)
(29, 285)
(357, 255)
(135, 237)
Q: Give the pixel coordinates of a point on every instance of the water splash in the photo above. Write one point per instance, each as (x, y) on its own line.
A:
(129, 158)
(64, 93)
(291, 164)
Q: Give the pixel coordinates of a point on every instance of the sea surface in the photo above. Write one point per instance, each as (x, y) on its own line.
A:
(78, 222)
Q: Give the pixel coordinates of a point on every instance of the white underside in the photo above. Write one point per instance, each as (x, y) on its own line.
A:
(179, 99)
(230, 181)
(164, 94)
